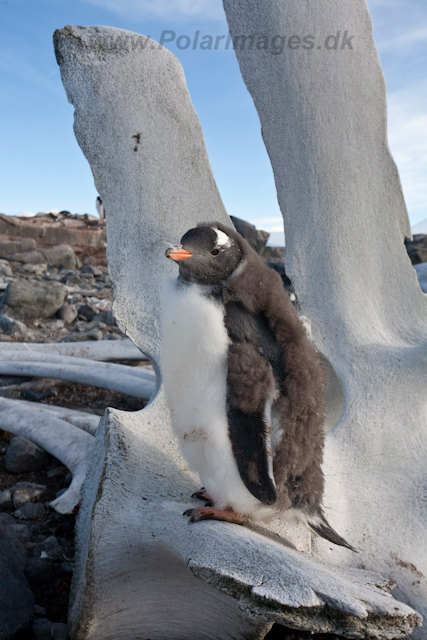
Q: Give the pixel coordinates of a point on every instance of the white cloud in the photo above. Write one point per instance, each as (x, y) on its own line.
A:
(407, 127)
(183, 10)
(25, 214)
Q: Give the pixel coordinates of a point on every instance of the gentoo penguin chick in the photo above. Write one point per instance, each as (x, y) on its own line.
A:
(244, 385)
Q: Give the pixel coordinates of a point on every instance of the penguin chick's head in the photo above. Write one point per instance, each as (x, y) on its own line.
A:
(206, 255)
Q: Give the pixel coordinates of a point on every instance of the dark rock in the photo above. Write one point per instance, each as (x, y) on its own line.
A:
(273, 253)
(30, 511)
(57, 472)
(23, 456)
(16, 598)
(417, 248)
(44, 629)
(49, 549)
(40, 571)
(86, 311)
(30, 299)
(421, 269)
(95, 334)
(73, 280)
(68, 313)
(21, 532)
(5, 500)
(107, 317)
(87, 268)
(256, 238)
(34, 395)
(26, 492)
(39, 611)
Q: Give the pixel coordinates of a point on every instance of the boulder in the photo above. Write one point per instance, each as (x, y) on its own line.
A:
(28, 300)
(9, 246)
(62, 256)
(256, 238)
(417, 248)
(23, 456)
(16, 598)
(52, 230)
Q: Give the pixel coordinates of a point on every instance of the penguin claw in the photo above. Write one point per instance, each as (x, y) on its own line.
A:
(210, 513)
(203, 495)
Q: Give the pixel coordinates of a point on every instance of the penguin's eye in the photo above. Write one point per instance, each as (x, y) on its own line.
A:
(215, 252)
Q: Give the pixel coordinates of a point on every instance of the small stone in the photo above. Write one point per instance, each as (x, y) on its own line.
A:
(57, 472)
(23, 456)
(49, 549)
(86, 311)
(24, 492)
(107, 317)
(95, 334)
(39, 611)
(68, 313)
(44, 629)
(5, 270)
(74, 280)
(30, 511)
(6, 500)
(87, 268)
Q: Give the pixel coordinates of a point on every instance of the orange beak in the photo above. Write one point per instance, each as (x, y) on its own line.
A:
(177, 254)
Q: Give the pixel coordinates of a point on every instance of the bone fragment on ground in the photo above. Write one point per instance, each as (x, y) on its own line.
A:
(86, 421)
(102, 350)
(130, 385)
(72, 446)
(11, 355)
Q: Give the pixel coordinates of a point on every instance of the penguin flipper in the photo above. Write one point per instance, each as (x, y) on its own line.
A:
(250, 441)
(251, 387)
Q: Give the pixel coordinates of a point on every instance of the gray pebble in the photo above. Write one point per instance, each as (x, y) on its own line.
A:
(6, 500)
(30, 511)
(26, 492)
(23, 456)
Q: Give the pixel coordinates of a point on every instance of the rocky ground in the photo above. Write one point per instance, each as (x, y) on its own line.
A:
(55, 287)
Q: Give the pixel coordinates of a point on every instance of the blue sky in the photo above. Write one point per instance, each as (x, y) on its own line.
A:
(42, 167)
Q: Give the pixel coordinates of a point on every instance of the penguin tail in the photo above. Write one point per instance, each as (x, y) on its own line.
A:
(316, 523)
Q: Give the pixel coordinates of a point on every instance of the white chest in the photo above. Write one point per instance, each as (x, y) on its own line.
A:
(194, 359)
(194, 369)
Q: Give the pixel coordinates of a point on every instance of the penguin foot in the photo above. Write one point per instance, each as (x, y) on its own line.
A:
(210, 513)
(203, 495)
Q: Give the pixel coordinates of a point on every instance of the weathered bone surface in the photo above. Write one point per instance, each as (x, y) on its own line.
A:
(92, 375)
(95, 350)
(323, 118)
(116, 370)
(86, 421)
(137, 127)
(72, 446)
